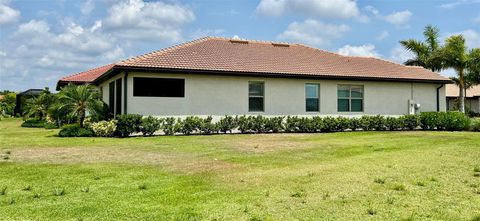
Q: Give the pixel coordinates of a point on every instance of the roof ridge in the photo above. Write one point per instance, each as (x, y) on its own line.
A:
(96, 68)
(164, 50)
(252, 40)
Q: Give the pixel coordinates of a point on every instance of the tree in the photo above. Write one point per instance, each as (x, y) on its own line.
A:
(465, 63)
(80, 100)
(425, 52)
(7, 103)
(38, 106)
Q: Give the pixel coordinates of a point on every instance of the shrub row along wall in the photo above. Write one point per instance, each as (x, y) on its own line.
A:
(128, 124)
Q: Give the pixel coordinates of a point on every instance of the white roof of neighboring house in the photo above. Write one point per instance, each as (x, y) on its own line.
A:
(453, 91)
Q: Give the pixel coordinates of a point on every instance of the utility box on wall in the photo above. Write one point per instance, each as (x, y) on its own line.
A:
(413, 107)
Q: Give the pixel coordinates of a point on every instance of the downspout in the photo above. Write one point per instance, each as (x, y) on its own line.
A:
(125, 93)
(438, 97)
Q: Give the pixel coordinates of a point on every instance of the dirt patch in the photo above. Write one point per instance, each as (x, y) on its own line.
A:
(188, 163)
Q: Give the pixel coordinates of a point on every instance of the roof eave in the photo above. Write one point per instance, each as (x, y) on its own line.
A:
(117, 68)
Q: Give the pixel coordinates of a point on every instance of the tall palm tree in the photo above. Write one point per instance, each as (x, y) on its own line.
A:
(80, 100)
(424, 51)
(465, 63)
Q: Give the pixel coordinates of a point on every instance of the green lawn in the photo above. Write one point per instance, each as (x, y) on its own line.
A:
(338, 176)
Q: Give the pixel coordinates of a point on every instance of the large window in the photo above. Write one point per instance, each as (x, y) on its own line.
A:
(256, 96)
(312, 98)
(111, 97)
(158, 87)
(350, 98)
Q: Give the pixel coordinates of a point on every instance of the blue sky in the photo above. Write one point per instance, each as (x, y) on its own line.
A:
(43, 40)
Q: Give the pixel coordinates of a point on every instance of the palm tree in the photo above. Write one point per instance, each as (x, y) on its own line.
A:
(38, 106)
(465, 63)
(80, 100)
(424, 51)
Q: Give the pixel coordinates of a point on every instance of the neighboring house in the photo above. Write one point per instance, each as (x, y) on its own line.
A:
(472, 98)
(219, 76)
(22, 97)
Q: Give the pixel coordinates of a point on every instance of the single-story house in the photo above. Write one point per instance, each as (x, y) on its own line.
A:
(219, 76)
(22, 97)
(472, 98)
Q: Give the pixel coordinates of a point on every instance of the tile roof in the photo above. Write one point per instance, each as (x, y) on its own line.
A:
(88, 76)
(214, 54)
(453, 91)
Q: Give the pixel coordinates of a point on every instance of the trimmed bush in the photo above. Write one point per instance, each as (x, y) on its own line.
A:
(306, 125)
(292, 124)
(455, 121)
(330, 124)
(150, 125)
(393, 123)
(128, 124)
(274, 124)
(33, 122)
(74, 130)
(245, 124)
(227, 124)
(258, 124)
(411, 121)
(189, 125)
(366, 123)
(170, 126)
(343, 123)
(207, 126)
(104, 128)
(355, 124)
(475, 125)
(378, 122)
(430, 120)
(50, 125)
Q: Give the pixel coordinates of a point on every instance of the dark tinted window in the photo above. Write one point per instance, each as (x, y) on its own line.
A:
(158, 87)
(118, 96)
(255, 96)
(111, 97)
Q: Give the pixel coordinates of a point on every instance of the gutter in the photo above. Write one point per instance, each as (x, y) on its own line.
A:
(438, 97)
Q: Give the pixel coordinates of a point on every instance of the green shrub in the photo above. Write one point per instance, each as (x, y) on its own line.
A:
(393, 123)
(245, 124)
(189, 125)
(343, 123)
(74, 130)
(227, 124)
(329, 124)
(258, 124)
(306, 125)
(455, 121)
(150, 125)
(50, 125)
(292, 124)
(207, 126)
(33, 122)
(169, 126)
(104, 128)
(128, 124)
(475, 125)
(430, 120)
(318, 123)
(411, 121)
(378, 122)
(366, 123)
(274, 124)
(355, 124)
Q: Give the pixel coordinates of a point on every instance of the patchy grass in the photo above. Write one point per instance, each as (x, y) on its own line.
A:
(416, 176)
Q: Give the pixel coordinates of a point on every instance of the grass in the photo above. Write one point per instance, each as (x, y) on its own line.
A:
(337, 176)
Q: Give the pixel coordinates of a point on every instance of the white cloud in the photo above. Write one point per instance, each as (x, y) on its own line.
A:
(366, 50)
(337, 9)
(472, 38)
(87, 7)
(398, 18)
(8, 15)
(383, 35)
(313, 32)
(137, 19)
(456, 3)
(399, 54)
(477, 19)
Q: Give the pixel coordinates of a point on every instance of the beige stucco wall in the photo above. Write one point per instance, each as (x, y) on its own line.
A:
(228, 95)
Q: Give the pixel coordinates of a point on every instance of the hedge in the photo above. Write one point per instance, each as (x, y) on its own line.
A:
(127, 124)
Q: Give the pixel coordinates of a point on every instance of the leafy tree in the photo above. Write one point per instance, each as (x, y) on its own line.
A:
(80, 100)
(38, 106)
(7, 103)
(425, 52)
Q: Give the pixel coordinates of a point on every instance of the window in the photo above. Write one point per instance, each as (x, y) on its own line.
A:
(350, 98)
(158, 87)
(312, 98)
(118, 96)
(255, 96)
